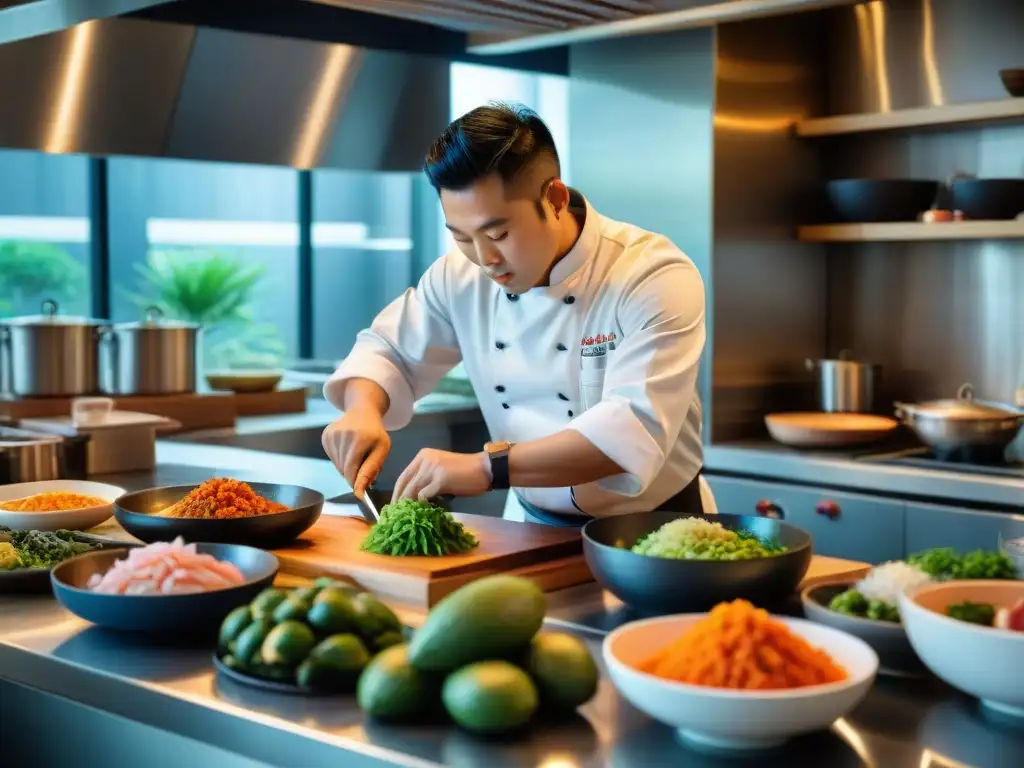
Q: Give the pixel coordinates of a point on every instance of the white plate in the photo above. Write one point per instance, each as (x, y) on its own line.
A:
(727, 719)
(72, 519)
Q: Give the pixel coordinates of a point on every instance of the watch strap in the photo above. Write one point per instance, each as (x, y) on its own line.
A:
(498, 455)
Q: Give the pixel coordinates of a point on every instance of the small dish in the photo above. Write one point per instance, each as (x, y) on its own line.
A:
(735, 720)
(981, 661)
(137, 513)
(243, 381)
(69, 519)
(153, 614)
(259, 683)
(887, 639)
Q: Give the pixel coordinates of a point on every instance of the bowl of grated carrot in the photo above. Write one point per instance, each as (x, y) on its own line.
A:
(53, 505)
(738, 678)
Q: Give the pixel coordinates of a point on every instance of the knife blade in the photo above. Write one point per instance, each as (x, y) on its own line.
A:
(368, 506)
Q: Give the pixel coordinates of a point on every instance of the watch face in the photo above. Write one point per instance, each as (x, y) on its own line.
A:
(497, 447)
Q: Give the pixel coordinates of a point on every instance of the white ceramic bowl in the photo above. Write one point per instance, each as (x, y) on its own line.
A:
(726, 719)
(72, 519)
(984, 662)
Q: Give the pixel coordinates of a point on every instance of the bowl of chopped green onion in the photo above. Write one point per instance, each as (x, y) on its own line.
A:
(664, 562)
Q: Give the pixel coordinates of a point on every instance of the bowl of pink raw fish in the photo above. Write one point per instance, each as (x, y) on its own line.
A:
(163, 586)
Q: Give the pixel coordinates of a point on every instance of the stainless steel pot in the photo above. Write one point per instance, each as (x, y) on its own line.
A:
(154, 356)
(50, 355)
(845, 385)
(963, 422)
(26, 457)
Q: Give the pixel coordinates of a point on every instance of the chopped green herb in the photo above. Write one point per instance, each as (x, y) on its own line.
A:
(40, 549)
(410, 527)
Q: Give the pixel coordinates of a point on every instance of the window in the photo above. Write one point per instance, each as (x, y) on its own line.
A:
(362, 252)
(212, 243)
(44, 233)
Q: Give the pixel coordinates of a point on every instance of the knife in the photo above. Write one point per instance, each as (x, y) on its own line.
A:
(368, 505)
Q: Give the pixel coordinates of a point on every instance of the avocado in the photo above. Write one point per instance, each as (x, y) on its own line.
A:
(562, 669)
(490, 697)
(488, 619)
(288, 644)
(387, 639)
(265, 602)
(390, 688)
(373, 617)
(248, 642)
(335, 663)
(232, 626)
(333, 613)
(292, 608)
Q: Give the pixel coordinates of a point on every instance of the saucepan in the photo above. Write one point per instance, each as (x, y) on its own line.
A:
(962, 423)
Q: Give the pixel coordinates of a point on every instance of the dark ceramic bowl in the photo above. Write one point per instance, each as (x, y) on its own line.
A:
(989, 199)
(1013, 81)
(658, 585)
(888, 640)
(136, 512)
(176, 614)
(879, 200)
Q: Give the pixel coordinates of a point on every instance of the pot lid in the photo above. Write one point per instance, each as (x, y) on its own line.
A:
(154, 319)
(963, 407)
(51, 317)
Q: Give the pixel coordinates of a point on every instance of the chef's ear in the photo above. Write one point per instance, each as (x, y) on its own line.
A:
(558, 195)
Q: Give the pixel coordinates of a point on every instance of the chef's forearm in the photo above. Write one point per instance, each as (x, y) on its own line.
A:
(365, 393)
(560, 460)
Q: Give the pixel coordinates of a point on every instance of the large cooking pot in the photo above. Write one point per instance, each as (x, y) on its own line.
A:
(155, 356)
(962, 423)
(51, 355)
(845, 385)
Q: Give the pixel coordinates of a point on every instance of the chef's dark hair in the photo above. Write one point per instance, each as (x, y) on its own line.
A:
(502, 138)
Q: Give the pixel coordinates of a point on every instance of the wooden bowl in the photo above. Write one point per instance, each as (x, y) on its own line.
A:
(244, 381)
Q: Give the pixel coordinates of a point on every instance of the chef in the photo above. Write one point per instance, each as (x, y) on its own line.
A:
(581, 336)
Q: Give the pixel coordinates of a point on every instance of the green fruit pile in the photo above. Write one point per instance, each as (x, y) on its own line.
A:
(482, 656)
(320, 638)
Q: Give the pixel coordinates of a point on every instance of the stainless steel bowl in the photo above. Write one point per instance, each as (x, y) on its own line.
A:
(27, 457)
(962, 423)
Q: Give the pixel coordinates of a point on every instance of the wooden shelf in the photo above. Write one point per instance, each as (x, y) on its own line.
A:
(919, 117)
(912, 230)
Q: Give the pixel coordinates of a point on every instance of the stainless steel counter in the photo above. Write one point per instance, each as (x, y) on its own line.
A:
(48, 657)
(763, 459)
(902, 723)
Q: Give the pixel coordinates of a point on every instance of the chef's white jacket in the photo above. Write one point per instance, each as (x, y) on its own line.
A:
(610, 349)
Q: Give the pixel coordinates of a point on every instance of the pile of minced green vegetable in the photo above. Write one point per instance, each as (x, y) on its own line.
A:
(694, 538)
(876, 596)
(409, 527)
(38, 549)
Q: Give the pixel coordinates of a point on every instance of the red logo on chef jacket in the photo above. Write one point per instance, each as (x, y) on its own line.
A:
(596, 346)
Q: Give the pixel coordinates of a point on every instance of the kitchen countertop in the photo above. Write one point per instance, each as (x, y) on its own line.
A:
(768, 460)
(901, 723)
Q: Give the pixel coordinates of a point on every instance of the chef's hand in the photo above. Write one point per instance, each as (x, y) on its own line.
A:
(357, 443)
(435, 472)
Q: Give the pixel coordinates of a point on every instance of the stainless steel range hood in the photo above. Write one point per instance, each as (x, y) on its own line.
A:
(129, 86)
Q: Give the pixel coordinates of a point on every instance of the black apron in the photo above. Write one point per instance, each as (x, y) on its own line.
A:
(686, 502)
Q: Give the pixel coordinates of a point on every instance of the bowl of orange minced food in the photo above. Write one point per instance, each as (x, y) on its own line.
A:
(54, 505)
(221, 510)
(738, 678)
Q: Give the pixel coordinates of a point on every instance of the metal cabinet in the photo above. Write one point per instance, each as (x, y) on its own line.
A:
(931, 525)
(843, 524)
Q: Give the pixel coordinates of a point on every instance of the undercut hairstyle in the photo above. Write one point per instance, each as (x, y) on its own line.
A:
(498, 138)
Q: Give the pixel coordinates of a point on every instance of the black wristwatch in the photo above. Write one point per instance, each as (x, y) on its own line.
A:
(498, 454)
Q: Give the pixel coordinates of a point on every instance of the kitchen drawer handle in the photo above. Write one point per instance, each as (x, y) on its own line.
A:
(765, 508)
(828, 509)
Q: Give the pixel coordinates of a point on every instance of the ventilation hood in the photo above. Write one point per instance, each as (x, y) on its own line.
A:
(107, 85)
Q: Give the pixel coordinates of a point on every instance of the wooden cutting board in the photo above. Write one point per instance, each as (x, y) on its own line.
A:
(551, 557)
(824, 570)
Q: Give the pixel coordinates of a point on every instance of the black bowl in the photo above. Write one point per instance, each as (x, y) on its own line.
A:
(136, 512)
(185, 614)
(658, 585)
(888, 639)
(989, 199)
(1013, 81)
(878, 200)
